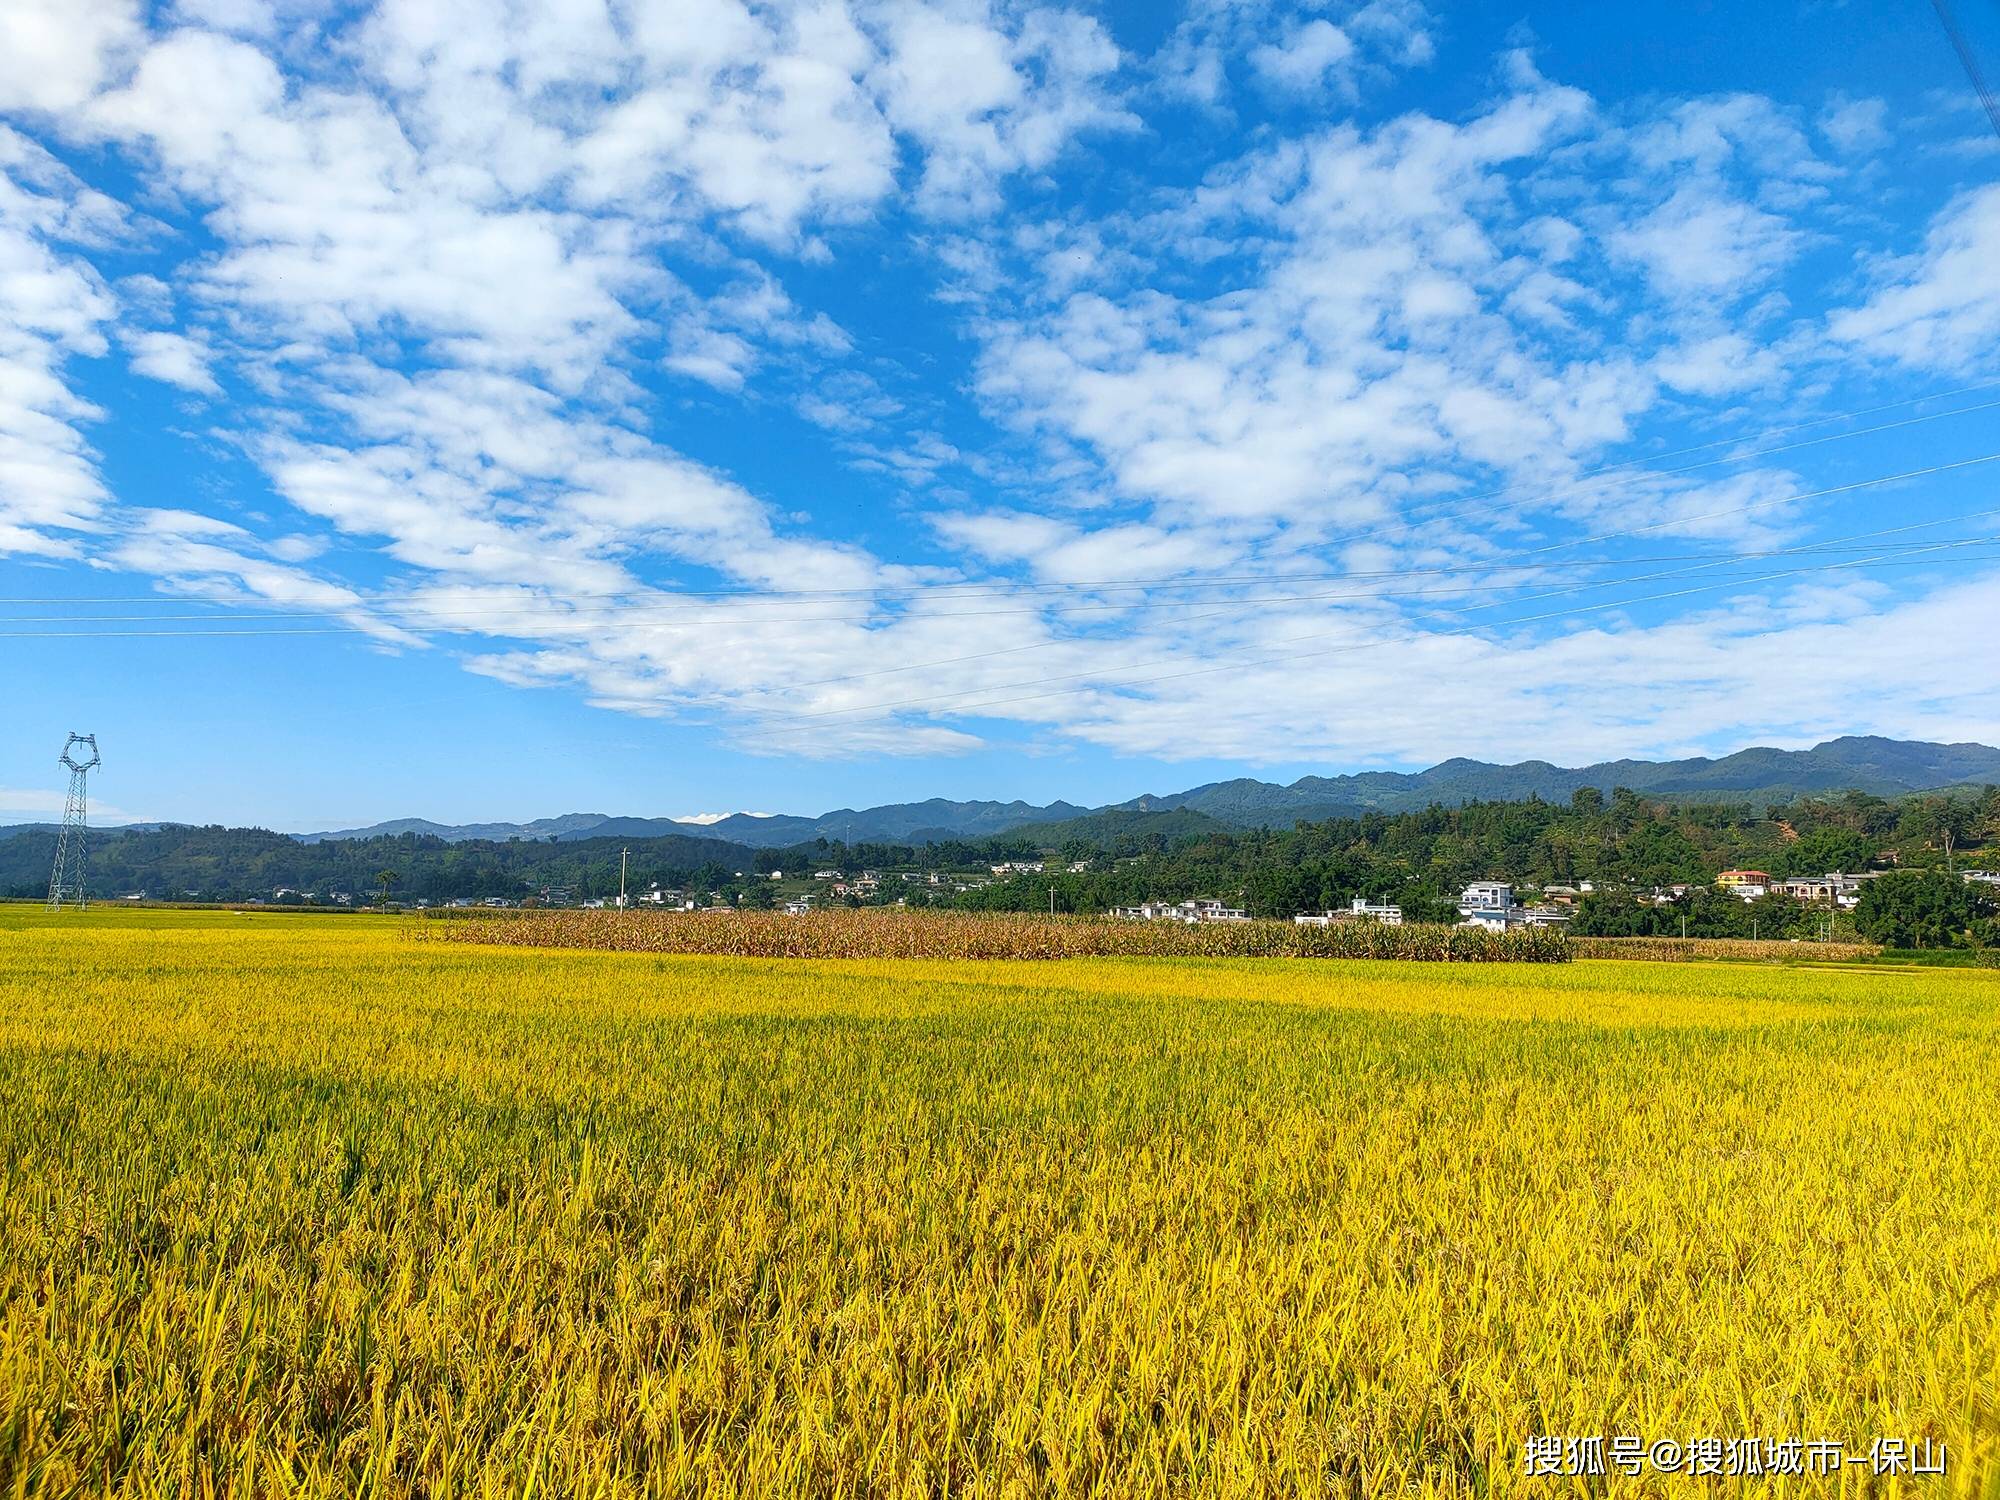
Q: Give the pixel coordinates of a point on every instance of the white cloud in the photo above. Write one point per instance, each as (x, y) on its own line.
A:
(1594, 690)
(1309, 52)
(53, 307)
(1401, 28)
(1940, 308)
(1001, 536)
(256, 18)
(173, 358)
(44, 805)
(1702, 244)
(711, 355)
(1288, 47)
(1719, 365)
(1368, 347)
(1855, 126)
(985, 104)
(453, 247)
(200, 557)
(55, 53)
(764, 117)
(338, 227)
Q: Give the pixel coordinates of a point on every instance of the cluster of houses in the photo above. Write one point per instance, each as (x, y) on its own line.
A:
(1363, 910)
(1201, 909)
(331, 898)
(1831, 889)
(1485, 903)
(1489, 904)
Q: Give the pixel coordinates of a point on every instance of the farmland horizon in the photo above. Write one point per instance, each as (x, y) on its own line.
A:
(1874, 764)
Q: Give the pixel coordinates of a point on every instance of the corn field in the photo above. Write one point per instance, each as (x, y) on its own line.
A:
(1670, 949)
(880, 933)
(310, 1206)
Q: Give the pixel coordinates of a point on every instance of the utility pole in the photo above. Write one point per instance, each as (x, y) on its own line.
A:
(624, 855)
(1052, 898)
(1684, 928)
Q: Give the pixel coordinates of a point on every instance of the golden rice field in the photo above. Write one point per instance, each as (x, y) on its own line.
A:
(301, 1205)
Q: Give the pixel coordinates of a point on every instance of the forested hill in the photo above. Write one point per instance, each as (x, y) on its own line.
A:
(235, 864)
(1759, 776)
(1883, 767)
(1421, 858)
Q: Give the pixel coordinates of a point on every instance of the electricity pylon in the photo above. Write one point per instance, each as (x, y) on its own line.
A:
(66, 883)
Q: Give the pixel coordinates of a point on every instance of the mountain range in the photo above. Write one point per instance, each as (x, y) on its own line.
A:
(1882, 767)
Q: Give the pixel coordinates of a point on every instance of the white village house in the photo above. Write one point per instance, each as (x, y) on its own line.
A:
(1832, 889)
(1491, 904)
(1363, 910)
(1200, 909)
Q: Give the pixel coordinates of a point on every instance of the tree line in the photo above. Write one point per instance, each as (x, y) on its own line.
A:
(1623, 843)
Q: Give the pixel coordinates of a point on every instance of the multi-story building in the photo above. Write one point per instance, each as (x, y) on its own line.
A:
(1489, 904)
(1362, 910)
(1200, 909)
(1746, 885)
(1832, 889)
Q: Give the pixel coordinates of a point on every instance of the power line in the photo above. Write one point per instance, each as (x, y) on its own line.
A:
(1106, 584)
(1475, 504)
(1408, 638)
(1578, 484)
(1740, 510)
(1213, 607)
(1215, 610)
(1968, 61)
(1672, 522)
(803, 723)
(952, 661)
(941, 701)
(1880, 560)
(1806, 549)
(602, 615)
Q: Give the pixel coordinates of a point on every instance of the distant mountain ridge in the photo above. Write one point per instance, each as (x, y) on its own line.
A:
(930, 821)
(458, 833)
(1865, 763)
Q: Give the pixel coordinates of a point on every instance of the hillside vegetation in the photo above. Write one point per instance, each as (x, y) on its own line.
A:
(1622, 843)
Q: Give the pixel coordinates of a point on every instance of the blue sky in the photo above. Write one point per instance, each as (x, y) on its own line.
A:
(499, 410)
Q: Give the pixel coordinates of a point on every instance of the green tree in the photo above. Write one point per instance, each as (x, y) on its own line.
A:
(1827, 849)
(1941, 822)
(1931, 909)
